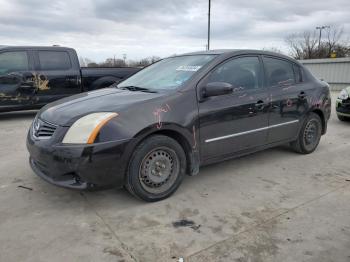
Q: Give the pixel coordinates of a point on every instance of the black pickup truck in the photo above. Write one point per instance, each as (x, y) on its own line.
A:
(31, 77)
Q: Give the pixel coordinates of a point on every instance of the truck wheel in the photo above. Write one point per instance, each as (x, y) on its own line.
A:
(156, 168)
(309, 136)
(343, 118)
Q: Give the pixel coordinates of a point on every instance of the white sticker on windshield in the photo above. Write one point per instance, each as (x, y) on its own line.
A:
(188, 68)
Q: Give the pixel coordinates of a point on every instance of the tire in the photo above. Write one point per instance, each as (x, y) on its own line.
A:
(343, 118)
(309, 136)
(156, 168)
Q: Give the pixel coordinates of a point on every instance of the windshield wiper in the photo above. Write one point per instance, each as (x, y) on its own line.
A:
(137, 88)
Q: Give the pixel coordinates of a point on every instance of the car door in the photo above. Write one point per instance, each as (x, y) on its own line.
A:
(56, 76)
(288, 96)
(16, 79)
(238, 121)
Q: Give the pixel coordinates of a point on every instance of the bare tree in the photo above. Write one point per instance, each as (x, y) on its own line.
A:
(86, 62)
(305, 45)
(333, 37)
(118, 62)
(111, 62)
(143, 62)
(92, 64)
(273, 49)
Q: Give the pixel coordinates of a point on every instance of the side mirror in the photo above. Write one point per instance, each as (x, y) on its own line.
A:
(216, 89)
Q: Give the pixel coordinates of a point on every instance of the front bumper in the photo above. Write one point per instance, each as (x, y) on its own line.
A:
(78, 166)
(343, 107)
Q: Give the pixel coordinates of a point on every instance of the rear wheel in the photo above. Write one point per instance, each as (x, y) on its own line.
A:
(156, 168)
(309, 136)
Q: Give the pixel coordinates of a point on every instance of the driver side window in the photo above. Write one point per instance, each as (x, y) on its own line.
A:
(13, 62)
(243, 73)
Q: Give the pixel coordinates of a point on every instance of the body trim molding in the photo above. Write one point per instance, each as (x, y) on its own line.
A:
(250, 131)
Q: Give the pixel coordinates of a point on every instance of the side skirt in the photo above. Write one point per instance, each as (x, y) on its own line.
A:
(243, 153)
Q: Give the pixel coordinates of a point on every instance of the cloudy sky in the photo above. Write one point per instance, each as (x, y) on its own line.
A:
(102, 28)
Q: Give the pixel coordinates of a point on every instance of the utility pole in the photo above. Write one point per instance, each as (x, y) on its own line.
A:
(124, 58)
(209, 9)
(319, 39)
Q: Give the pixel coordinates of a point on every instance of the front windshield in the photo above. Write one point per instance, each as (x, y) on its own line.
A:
(167, 74)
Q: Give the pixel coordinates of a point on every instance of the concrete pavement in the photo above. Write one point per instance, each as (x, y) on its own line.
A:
(275, 205)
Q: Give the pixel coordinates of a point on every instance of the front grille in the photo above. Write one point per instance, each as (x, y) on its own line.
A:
(43, 129)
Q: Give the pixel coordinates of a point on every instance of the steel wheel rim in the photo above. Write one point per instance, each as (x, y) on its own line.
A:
(159, 170)
(311, 133)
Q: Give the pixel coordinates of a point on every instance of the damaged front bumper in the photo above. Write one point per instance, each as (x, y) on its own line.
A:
(78, 166)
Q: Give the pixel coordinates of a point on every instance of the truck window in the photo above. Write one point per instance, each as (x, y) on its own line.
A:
(13, 61)
(54, 60)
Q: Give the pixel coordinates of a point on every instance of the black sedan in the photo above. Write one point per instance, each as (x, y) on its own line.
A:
(343, 105)
(176, 115)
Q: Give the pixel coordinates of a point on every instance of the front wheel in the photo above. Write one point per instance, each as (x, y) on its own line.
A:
(156, 168)
(309, 136)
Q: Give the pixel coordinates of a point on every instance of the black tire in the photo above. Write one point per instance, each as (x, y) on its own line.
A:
(343, 118)
(156, 168)
(309, 136)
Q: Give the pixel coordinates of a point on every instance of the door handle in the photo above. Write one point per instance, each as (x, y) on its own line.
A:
(302, 95)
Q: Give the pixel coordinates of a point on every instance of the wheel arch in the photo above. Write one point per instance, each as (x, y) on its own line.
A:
(191, 152)
(323, 119)
(183, 142)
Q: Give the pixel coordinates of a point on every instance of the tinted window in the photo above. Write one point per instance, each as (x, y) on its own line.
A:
(298, 75)
(243, 73)
(13, 62)
(279, 72)
(54, 60)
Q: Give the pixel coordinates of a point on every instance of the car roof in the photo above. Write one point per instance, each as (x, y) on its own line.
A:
(232, 52)
(54, 47)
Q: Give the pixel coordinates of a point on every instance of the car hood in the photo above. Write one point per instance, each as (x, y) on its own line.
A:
(65, 111)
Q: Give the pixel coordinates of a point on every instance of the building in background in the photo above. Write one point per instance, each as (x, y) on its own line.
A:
(335, 71)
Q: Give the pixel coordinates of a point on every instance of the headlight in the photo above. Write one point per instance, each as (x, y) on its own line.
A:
(343, 95)
(86, 129)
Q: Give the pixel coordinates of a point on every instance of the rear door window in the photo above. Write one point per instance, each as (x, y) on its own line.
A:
(242, 73)
(54, 60)
(13, 61)
(279, 72)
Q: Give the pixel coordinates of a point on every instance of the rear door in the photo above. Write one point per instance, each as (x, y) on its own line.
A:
(238, 121)
(56, 76)
(288, 98)
(16, 79)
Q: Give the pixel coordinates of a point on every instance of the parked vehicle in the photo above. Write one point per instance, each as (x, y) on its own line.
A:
(176, 115)
(31, 77)
(343, 105)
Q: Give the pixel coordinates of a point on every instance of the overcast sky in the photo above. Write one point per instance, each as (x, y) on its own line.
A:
(102, 28)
